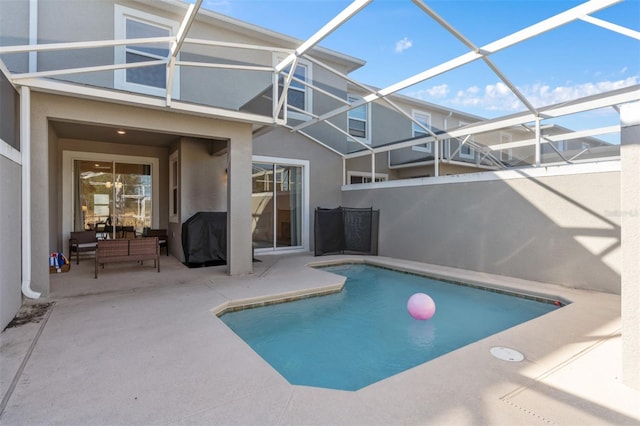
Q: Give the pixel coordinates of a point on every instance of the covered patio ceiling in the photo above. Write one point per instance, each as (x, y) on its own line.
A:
(307, 49)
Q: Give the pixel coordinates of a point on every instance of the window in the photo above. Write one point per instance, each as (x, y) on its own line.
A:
(465, 150)
(423, 118)
(151, 80)
(584, 145)
(298, 96)
(280, 203)
(173, 188)
(364, 177)
(505, 154)
(358, 120)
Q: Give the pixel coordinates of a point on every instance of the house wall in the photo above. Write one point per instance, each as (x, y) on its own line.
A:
(44, 165)
(203, 186)
(561, 229)
(95, 20)
(10, 240)
(325, 168)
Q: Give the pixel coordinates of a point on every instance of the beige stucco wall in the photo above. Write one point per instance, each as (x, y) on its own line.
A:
(556, 229)
(630, 218)
(203, 186)
(10, 240)
(46, 209)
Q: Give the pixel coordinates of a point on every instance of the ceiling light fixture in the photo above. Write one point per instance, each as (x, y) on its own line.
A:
(121, 132)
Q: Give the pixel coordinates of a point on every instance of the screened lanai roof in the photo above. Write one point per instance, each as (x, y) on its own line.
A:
(263, 101)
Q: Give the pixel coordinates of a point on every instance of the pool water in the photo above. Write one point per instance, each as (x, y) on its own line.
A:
(364, 334)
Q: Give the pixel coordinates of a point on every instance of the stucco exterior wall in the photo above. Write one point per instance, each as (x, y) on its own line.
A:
(10, 240)
(560, 229)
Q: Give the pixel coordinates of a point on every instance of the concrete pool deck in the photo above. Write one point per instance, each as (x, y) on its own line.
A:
(138, 347)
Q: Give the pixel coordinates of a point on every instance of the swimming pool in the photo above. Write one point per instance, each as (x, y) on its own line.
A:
(364, 334)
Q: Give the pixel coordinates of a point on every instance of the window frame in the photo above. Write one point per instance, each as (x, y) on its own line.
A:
(308, 93)
(471, 155)
(121, 15)
(304, 214)
(367, 121)
(509, 151)
(428, 147)
(379, 177)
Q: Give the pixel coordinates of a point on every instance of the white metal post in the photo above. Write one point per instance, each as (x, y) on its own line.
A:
(436, 157)
(537, 145)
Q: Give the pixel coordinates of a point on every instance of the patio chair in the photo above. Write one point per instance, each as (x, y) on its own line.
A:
(163, 239)
(82, 241)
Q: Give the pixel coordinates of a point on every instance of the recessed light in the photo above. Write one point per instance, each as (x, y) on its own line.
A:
(121, 132)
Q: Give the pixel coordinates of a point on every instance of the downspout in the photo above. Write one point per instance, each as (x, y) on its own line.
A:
(25, 150)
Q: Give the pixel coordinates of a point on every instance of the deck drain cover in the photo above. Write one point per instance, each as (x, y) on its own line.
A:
(506, 354)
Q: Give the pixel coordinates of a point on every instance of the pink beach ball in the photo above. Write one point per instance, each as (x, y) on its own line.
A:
(421, 306)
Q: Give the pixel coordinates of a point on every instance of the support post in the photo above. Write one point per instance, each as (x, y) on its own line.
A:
(630, 241)
(373, 167)
(239, 239)
(537, 145)
(436, 157)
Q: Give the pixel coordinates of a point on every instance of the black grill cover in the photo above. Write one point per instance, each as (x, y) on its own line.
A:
(204, 238)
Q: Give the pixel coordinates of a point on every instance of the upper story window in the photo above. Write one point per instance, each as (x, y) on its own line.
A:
(424, 118)
(358, 120)
(465, 150)
(151, 80)
(298, 95)
(505, 154)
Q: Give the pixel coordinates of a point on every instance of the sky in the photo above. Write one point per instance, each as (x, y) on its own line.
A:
(398, 40)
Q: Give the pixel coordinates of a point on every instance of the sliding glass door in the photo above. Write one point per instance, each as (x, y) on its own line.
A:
(111, 197)
(277, 205)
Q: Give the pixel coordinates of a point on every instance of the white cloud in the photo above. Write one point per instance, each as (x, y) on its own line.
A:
(440, 91)
(498, 97)
(403, 45)
(623, 70)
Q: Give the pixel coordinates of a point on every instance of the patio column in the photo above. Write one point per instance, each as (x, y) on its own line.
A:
(630, 241)
(239, 237)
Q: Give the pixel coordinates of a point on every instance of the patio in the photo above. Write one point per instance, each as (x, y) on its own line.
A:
(150, 351)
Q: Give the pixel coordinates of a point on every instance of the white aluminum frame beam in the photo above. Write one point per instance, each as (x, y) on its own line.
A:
(612, 27)
(496, 46)
(323, 32)
(426, 9)
(620, 96)
(176, 45)
(555, 138)
(232, 45)
(224, 66)
(70, 71)
(83, 44)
